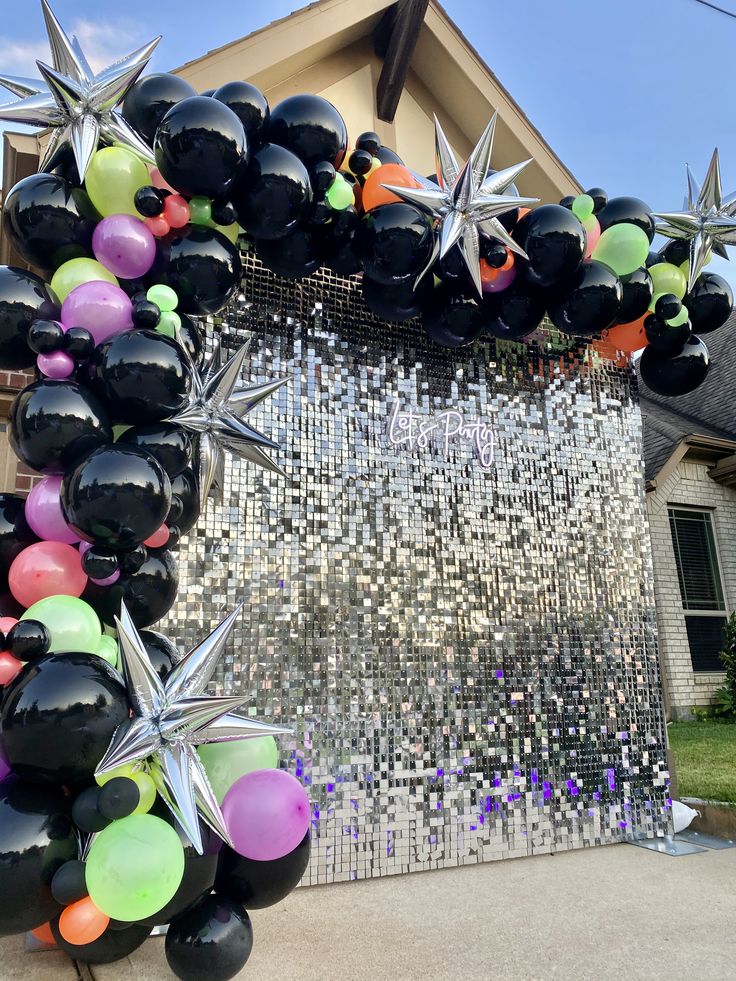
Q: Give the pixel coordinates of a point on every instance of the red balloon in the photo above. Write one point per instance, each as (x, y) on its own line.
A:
(6, 623)
(46, 569)
(9, 667)
(159, 538)
(176, 211)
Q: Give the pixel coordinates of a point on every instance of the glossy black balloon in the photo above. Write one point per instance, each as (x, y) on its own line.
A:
(258, 885)
(148, 593)
(250, 106)
(633, 211)
(201, 147)
(369, 141)
(48, 221)
(665, 338)
(100, 562)
(637, 292)
(554, 240)
(68, 885)
(450, 319)
(28, 640)
(191, 338)
(169, 444)
(131, 559)
(202, 266)
(676, 374)
(388, 156)
(176, 510)
(113, 945)
(141, 375)
(36, 839)
(360, 162)
(161, 651)
(223, 213)
(600, 198)
(24, 297)
(395, 242)
(311, 127)
(58, 717)
(149, 201)
(513, 313)
(184, 486)
(495, 253)
(396, 303)
(668, 306)
(45, 336)
(453, 271)
(55, 424)
(675, 251)
(294, 256)
(210, 942)
(150, 98)
(118, 496)
(146, 315)
(567, 201)
(274, 194)
(15, 533)
(118, 798)
(79, 343)
(709, 303)
(589, 302)
(85, 812)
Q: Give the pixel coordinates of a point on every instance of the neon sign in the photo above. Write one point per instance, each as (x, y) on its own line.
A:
(415, 432)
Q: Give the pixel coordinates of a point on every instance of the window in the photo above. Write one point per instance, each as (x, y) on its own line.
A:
(700, 585)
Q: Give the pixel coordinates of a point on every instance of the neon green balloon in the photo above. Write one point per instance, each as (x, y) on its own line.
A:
(147, 790)
(680, 319)
(77, 271)
(164, 297)
(623, 248)
(117, 431)
(231, 232)
(113, 176)
(224, 763)
(200, 211)
(169, 323)
(667, 279)
(375, 164)
(340, 194)
(72, 623)
(582, 207)
(107, 649)
(124, 770)
(134, 867)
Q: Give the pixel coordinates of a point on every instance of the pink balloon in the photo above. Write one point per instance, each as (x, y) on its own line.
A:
(266, 814)
(58, 364)
(7, 623)
(159, 538)
(9, 667)
(102, 308)
(44, 515)
(158, 181)
(592, 233)
(124, 245)
(46, 569)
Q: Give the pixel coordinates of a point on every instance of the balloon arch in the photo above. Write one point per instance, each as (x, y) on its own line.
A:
(130, 796)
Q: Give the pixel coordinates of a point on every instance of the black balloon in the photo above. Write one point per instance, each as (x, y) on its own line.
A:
(709, 303)
(396, 303)
(311, 127)
(191, 338)
(79, 343)
(369, 141)
(626, 209)
(24, 297)
(48, 220)
(664, 338)
(554, 240)
(453, 271)
(131, 559)
(141, 375)
(149, 201)
(148, 593)
(118, 798)
(36, 839)
(54, 424)
(675, 374)
(86, 813)
(250, 106)
(637, 292)
(113, 945)
(201, 147)
(100, 562)
(513, 313)
(202, 266)
(588, 303)
(14, 531)
(58, 717)
(27, 640)
(162, 653)
(676, 251)
(600, 198)
(118, 496)
(146, 315)
(258, 885)
(451, 319)
(46, 336)
(184, 486)
(395, 242)
(68, 884)
(150, 98)
(294, 256)
(210, 942)
(388, 156)
(169, 444)
(274, 194)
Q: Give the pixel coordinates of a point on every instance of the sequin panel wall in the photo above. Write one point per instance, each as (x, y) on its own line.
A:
(450, 596)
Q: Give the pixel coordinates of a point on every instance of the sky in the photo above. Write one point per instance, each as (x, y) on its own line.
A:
(625, 91)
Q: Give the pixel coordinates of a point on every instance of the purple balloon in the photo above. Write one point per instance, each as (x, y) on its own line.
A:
(4, 765)
(267, 814)
(102, 308)
(108, 581)
(43, 512)
(124, 245)
(58, 364)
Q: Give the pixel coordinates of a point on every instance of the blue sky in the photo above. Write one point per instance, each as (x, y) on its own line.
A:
(625, 91)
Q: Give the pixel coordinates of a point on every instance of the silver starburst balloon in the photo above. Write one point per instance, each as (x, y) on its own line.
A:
(75, 102)
(215, 412)
(467, 200)
(171, 718)
(708, 219)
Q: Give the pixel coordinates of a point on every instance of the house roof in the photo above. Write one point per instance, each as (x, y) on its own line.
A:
(709, 411)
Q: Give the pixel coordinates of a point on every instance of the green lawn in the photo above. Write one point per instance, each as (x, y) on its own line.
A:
(705, 755)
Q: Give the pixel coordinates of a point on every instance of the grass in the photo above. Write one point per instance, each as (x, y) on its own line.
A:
(705, 755)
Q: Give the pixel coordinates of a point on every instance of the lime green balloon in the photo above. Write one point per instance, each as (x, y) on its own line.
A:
(117, 431)
(72, 623)
(226, 762)
(113, 176)
(680, 319)
(582, 207)
(667, 279)
(169, 323)
(375, 164)
(164, 297)
(134, 867)
(147, 790)
(340, 194)
(200, 211)
(124, 770)
(623, 248)
(77, 271)
(231, 232)
(107, 649)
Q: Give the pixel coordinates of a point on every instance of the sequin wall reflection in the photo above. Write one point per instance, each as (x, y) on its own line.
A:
(450, 596)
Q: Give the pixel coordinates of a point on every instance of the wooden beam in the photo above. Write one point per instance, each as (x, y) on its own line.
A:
(401, 24)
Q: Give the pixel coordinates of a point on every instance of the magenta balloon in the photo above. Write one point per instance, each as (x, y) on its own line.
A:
(102, 308)
(267, 814)
(58, 364)
(108, 581)
(124, 245)
(43, 512)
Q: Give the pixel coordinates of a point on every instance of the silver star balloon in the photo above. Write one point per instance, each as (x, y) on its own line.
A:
(215, 413)
(76, 103)
(171, 718)
(708, 219)
(466, 201)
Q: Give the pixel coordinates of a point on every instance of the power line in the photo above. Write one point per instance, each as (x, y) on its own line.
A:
(713, 6)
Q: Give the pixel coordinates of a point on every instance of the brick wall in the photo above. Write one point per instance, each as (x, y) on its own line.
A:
(15, 477)
(690, 485)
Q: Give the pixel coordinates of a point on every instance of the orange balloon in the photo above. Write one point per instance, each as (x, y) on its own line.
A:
(44, 934)
(375, 195)
(82, 923)
(627, 337)
(523, 212)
